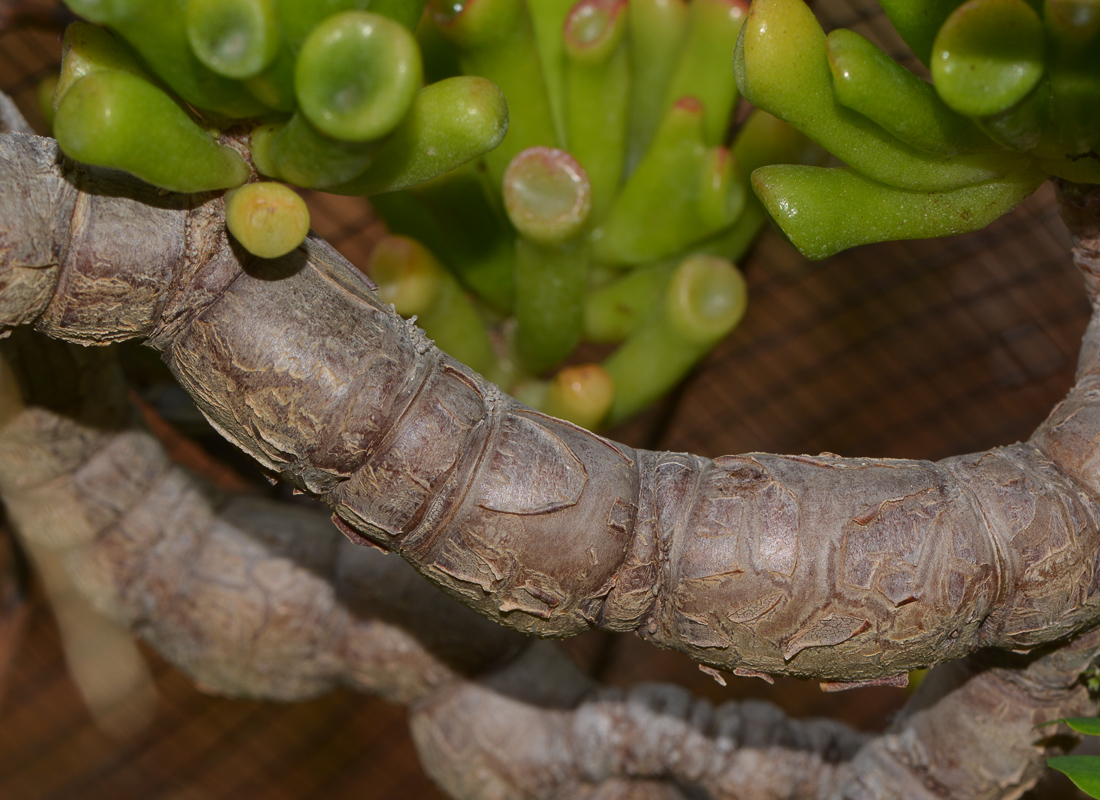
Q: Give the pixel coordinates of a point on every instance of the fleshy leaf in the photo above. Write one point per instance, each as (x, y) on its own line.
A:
(825, 210)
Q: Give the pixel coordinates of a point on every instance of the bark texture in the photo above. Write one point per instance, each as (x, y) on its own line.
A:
(249, 596)
(841, 569)
(257, 598)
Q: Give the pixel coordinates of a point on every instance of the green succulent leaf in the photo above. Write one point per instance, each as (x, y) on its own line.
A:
(118, 120)
(235, 38)
(782, 67)
(824, 210)
(157, 31)
(451, 122)
(357, 74)
(867, 80)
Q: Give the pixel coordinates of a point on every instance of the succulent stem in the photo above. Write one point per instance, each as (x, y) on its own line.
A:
(705, 300)
(597, 83)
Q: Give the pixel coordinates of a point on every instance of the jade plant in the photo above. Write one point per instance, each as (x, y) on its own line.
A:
(850, 571)
(602, 198)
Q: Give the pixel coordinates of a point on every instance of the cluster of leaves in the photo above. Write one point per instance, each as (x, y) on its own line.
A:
(318, 94)
(1014, 99)
(612, 211)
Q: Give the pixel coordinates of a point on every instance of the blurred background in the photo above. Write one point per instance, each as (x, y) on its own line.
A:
(910, 350)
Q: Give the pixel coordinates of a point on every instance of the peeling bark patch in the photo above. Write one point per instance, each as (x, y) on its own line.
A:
(354, 536)
(471, 559)
(900, 588)
(727, 514)
(745, 672)
(533, 471)
(776, 547)
(713, 673)
(755, 609)
(826, 631)
(956, 589)
(621, 516)
(700, 632)
(538, 596)
(894, 531)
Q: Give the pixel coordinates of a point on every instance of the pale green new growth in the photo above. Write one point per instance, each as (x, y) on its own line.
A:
(268, 219)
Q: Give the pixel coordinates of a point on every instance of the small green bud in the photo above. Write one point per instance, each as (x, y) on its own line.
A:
(581, 393)
(547, 195)
(706, 299)
(268, 219)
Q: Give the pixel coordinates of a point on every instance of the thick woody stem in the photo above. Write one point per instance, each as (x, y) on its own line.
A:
(256, 598)
(842, 569)
(230, 588)
(536, 728)
(992, 549)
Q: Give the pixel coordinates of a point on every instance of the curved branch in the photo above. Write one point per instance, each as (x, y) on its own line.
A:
(257, 598)
(230, 588)
(254, 597)
(737, 751)
(843, 569)
(973, 728)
